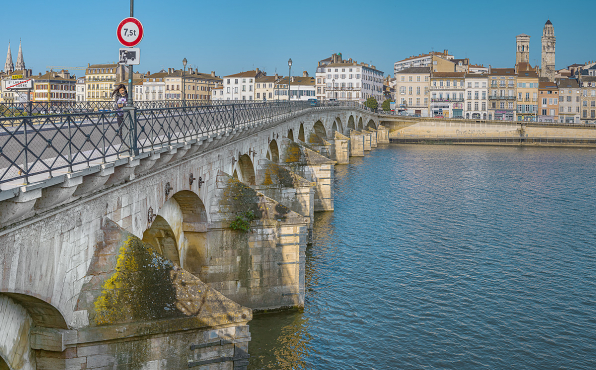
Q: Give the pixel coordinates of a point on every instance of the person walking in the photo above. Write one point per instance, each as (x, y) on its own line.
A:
(120, 100)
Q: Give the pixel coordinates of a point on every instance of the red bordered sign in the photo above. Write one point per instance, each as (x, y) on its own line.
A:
(130, 32)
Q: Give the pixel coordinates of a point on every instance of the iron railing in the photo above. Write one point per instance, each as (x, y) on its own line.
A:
(38, 147)
(73, 107)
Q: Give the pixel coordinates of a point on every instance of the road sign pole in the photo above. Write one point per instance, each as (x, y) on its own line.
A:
(130, 91)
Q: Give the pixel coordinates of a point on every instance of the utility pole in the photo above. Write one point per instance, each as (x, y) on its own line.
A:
(130, 91)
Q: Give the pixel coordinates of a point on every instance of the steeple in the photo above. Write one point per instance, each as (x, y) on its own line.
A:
(8, 66)
(548, 51)
(20, 66)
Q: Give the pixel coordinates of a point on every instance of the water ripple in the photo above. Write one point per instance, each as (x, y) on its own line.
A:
(444, 257)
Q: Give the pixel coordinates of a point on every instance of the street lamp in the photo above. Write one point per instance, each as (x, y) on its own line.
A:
(183, 85)
(289, 78)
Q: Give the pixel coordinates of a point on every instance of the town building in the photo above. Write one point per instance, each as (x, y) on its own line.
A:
(241, 86)
(548, 52)
(102, 79)
(265, 87)
(348, 80)
(569, 100)
(527, 92)
(217, 93)
(55, 87)
(80, 88)
(154, 86)
(476, 100)
(301, 88)
(475, 68)
(420, 60)
(447, 91)
(588, 98)
(189, 85)
(548, 102)
(501, 94)
(412, 90)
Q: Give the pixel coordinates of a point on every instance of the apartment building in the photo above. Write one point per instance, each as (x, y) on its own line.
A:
(548, 102)
(412, 90)
(527, 92)
(301, 88)
(501, 94)
(189, 85)
(265, 87)
(476, 100)
(569, 100)
(80, 88)
(347, 80)
(421, 60)
(154, 86)
(57, 87)
(588, 99)
(241, 86)
(447, 91)
(101, 79)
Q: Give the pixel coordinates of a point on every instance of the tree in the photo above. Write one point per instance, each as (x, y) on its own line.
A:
(386, 105)
(371, 103)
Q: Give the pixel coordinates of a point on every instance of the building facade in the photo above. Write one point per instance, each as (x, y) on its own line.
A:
(265, 88)
(569, 101)
(55, 87)
(80, 87)
(412, 90)
(241, 86)
(522, 54)
(101, 80)
(154, 86)
(476, 99)
(548, 102)
(548, 52)
(501, 94)
(420, 60)
(301, 88)
(347, 80)
(187, 85)
(447, 94)
(588, 99)
(527, 93)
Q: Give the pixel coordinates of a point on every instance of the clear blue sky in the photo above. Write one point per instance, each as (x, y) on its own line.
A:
(230, 36)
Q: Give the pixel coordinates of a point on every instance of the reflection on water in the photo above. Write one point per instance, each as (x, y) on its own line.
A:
(447, 257)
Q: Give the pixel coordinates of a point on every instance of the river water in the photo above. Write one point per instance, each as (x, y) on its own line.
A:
(447, 257)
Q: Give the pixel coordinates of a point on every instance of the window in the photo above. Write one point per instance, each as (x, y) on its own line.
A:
(544, 102)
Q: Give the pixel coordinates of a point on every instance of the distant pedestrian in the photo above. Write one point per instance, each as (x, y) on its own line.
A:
(120, 100)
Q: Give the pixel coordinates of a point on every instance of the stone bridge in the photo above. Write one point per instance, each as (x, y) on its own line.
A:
(156, 260)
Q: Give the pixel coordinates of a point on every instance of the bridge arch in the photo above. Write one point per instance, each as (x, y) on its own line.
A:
(351, 124)
(301, 132)
(339, 124)
(360, 126)
(246, 170)
(319, 130)
(273, 152)
(22, 312)
(371, 124)
(291, 134)
(179, 231)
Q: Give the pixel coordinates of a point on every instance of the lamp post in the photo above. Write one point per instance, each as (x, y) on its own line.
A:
(183, 84)
(289, 78)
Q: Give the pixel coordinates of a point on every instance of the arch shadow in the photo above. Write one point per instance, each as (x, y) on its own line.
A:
(291, 134)
(273, 153)
(301, 133)
(246, 169)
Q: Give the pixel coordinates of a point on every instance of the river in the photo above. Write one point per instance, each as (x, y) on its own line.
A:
(447, 257)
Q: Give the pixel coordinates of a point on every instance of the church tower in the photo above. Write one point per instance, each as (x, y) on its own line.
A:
(548, 52)
(8, 66)
(20, 66)
(523, 49)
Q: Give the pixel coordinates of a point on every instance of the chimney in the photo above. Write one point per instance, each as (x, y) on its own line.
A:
(169, 70)
(350, 60)
(305, 74)
(276, 77)
(292, 78)
(212, 73)
(257, 70)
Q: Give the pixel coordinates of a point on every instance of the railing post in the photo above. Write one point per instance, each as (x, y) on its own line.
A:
(132, 119)
(233, 117)
(26, 166)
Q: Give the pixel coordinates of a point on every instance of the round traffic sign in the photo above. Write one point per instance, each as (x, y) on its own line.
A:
(130, 32)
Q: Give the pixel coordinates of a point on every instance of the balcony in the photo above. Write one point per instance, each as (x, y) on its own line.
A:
(505, 97)
(445, 100)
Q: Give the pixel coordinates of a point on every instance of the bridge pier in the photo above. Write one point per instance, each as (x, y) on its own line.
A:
(356, 144)
(342, 148)
(366, 141)
(382, 135)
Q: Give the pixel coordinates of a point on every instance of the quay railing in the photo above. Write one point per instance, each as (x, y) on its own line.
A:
(37, 147)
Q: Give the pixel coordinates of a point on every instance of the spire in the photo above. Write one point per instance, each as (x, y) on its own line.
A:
(20, 66)
(8, 66)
